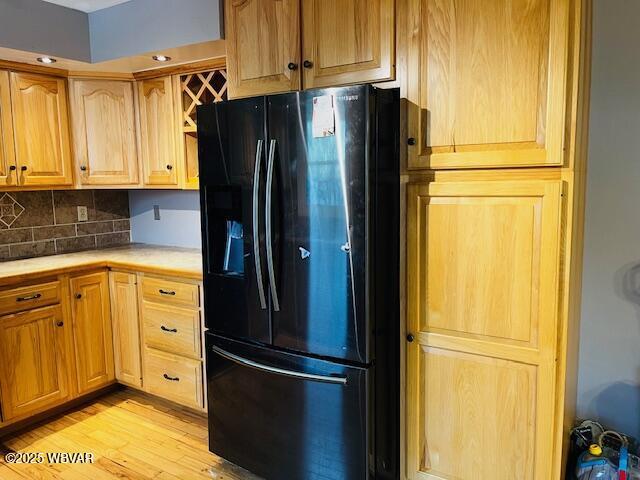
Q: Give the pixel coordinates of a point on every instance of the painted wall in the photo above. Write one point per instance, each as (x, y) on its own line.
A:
(141, 26)
(179, 223)
(609, 376)
(43, 27)
(132, 28)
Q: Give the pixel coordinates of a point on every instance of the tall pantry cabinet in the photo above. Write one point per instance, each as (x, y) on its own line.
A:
(493, 256)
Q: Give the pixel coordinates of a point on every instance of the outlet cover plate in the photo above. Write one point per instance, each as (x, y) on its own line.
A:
(83, 215)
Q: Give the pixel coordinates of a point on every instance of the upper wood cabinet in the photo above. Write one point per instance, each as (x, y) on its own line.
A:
(486, 82)
(158, 133)
(34, 361)
(342, 41)
(8, 170)
(263, 46)
(347, 41)
(103, 115)
(126, 328)
(41, 129)
(92, 331)
(482, 296)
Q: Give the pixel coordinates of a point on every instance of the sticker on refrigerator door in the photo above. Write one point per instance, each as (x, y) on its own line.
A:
(323, 121)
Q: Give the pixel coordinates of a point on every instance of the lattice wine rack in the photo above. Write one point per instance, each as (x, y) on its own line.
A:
(198, 89)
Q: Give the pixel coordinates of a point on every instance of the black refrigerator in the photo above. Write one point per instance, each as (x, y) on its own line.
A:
(300, 223)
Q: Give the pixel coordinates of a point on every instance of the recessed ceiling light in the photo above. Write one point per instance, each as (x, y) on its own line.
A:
(161, 58)
(47, 60)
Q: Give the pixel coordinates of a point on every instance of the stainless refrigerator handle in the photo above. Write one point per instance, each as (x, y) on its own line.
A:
(278, 371)
(256, 225)
(267, 228)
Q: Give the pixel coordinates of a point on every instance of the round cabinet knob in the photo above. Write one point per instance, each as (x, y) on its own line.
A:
(169, 167)
(13, 168)
(292, 66)
(59, 324)
(83, 168)
(23, 168)
(78, 296)
(307, 64)
(411, 141)
(410, 337)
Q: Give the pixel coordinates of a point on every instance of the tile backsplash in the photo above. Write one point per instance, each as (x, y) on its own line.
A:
(46, 222)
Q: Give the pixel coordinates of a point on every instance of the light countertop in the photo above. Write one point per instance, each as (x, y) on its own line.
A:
(180, 262)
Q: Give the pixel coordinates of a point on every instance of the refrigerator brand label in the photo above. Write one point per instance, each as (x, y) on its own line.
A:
(323, 120)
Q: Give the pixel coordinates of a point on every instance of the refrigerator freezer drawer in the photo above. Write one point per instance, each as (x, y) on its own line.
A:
(281, 415)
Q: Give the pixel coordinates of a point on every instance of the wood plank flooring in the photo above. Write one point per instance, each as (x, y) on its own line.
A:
(131, 435)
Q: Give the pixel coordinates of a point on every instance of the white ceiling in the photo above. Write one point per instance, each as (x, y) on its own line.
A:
(87, 5)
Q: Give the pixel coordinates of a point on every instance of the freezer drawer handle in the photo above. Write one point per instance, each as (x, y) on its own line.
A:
(256, 225)
(267, 228)
(278, 371)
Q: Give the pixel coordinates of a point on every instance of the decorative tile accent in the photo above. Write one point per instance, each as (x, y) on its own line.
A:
(10, 210)
(45, 222)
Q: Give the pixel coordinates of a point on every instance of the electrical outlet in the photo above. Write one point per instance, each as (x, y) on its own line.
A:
(156, 212)
(83, 215)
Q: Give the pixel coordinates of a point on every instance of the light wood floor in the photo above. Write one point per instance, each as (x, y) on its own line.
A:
(132, 436)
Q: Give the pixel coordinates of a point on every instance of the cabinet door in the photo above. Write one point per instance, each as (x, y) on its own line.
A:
(92, 331)
(126, 328)
(263, 46)
(8, 175)
(486, 82)
(41, 129)
(34, 350)
(158, 132)
(104, 135)
(347, 41)
(482, 305)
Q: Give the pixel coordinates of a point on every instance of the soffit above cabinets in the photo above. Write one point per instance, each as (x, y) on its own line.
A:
(127, 65)
(87, 6)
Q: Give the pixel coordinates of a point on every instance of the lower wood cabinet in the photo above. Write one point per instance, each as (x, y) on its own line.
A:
(172, 340)
(174, 377)
(35, 361)
(126, 328)
(61, 338)
(482, 307)
(93, 339)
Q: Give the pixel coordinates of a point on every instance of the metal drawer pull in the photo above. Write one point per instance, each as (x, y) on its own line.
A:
(35, 296)
(170, 330)
(278, 371)
(166, 292)
(173, 379)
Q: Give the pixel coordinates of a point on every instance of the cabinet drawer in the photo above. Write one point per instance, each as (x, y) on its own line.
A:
(172, 329)
(29, 297)
(173, 377)
(170, 292)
